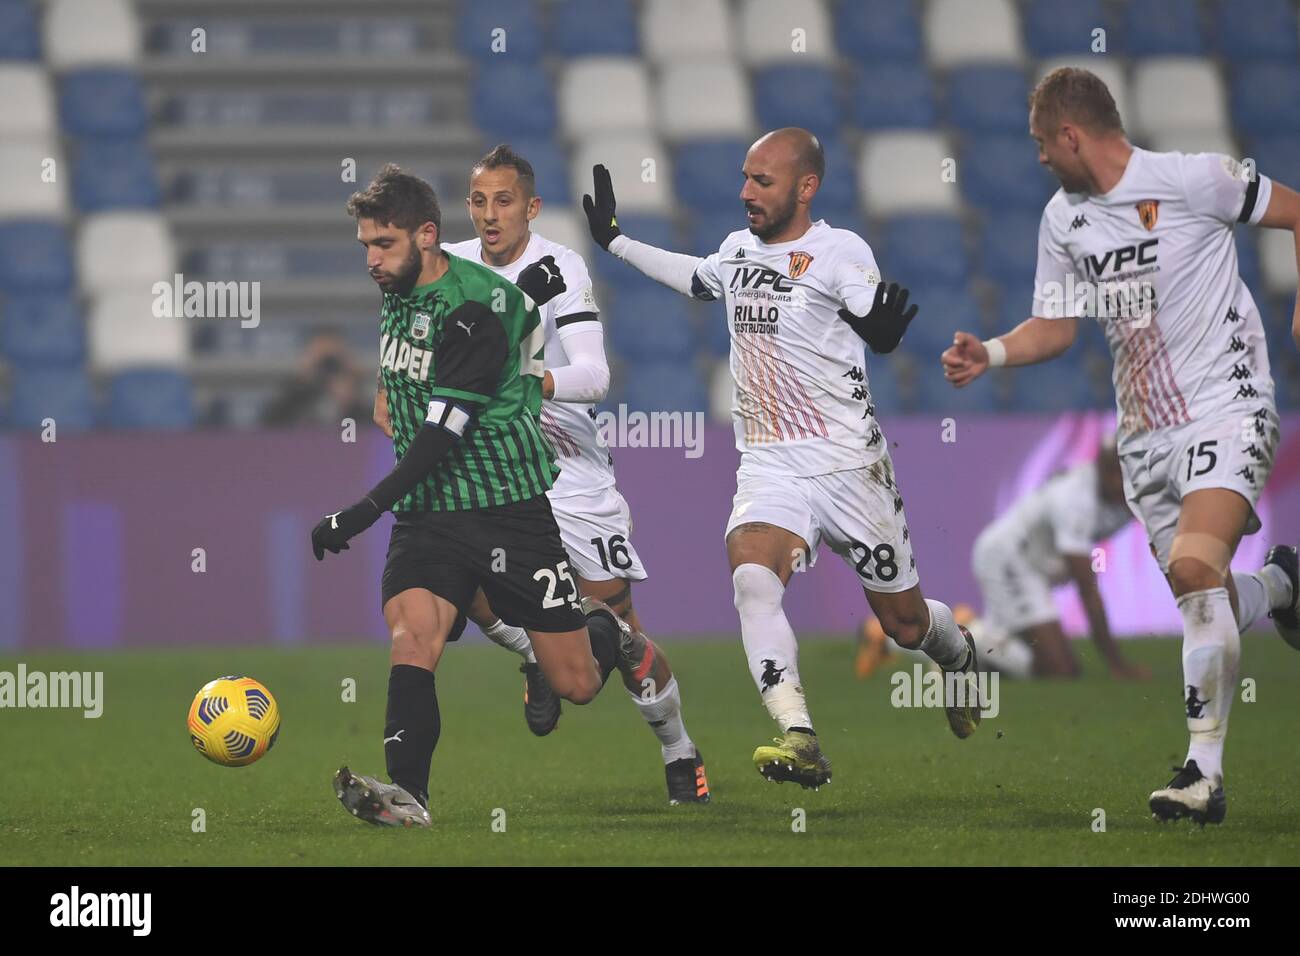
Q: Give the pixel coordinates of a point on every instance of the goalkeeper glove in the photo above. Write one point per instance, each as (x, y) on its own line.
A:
(600, 211)
(883, 326)
(542, 281)
(334, 531)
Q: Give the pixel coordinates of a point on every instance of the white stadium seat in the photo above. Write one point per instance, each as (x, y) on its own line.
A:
(1107, 70)
(603, 94)
(124, 250)
(704, 99)
(1178, 94)
(124, 333)
(639, 166)
(686, 29)
(768, 32)
(23, 191)
(91, 33)
(902, 172)
(26, 103)
(722, 389)
(566, 227)
(1277, 261)
(962, 32)
(1194, 141)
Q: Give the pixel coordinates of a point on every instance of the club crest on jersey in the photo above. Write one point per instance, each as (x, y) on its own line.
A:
(799, 263)
(1148, 210)
(420, 325)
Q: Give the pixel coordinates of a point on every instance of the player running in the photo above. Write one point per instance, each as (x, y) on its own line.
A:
(1143, 242)
(1045, 539)
(461, 360)
(800, 299)
(594, 520)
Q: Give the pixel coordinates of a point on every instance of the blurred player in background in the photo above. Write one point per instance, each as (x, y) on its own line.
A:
(1045, 539)
(1143, 241)
(801, 297)
(594, 519)
(327, 388)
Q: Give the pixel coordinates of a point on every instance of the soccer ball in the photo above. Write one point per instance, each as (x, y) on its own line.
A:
(233, 721)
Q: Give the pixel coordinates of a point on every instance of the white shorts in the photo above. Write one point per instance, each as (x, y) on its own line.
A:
(1234, 451)
(1017, 596)
(596, 531)
(858, 514)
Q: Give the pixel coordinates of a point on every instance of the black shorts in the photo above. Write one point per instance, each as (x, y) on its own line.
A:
(513, 552)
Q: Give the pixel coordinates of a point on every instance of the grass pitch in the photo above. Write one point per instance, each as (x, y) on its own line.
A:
(122, 789)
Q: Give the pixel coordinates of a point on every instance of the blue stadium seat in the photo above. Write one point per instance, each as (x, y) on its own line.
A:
(709, 228)
(942, 310)
(513, 99)
(887, 392)
(114, 174)
(518, 18)
(550, 168)
(987, 99)
(667, 386)
(42, 328)
(651, 325)
(894, 94)
(594, 27)
(934, 395)
(643, 227)
(925, 250)
(58, 392)
(711, 318)
(34, 256)
(1276, 155)
(798, 96)
(150, 398)
(1061, 27)
(1248, 258)
(20, 31)
(1266, 30)
(1161, 28)
(1057, 386)
(1008, 248)
(881, 29)
(1001, 173)
(707, 174)
(839, 188)
(103, 102)
(1266, 98)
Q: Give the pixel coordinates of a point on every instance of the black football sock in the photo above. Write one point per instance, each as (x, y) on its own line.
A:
(411, 728)
(604, 635)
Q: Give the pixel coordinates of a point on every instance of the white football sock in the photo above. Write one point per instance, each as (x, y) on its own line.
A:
(1211, 655)
(943, 642)
(770, 645)
(664, 715)
(512, 639)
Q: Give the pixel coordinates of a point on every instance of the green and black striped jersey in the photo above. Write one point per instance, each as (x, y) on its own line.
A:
(472, 338)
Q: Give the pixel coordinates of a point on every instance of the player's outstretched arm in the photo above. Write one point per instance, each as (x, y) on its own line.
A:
(1034, 340)
(883, 326)
(1283, 212)
(1080, 566)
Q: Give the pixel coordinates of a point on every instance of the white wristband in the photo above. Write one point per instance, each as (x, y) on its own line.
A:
(997, 352)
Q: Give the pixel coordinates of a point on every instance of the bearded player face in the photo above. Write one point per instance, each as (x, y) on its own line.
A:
(770, 193)
(392, 254)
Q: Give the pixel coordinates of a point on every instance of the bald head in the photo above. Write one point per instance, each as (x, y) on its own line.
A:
(794, 146)
(782, 172)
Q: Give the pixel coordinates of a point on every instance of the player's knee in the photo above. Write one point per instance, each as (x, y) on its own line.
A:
(757, 589)
(1187, 575)
(905, 625)
(577, 688)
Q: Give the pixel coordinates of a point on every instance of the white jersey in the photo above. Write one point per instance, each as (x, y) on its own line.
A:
(1186, 338)
(1064, 516)
(801, 404)
(585, 462)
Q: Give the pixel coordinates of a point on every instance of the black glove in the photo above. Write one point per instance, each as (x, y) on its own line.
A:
(600, 211)
(882, 328)
(542, 280)
(334, 531)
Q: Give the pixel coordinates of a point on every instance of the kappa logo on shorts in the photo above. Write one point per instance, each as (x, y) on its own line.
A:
(799, 263)
(771, 675)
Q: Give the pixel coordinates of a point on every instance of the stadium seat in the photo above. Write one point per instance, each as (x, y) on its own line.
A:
(81, 33)
(715, 329)
(568, 228)
(887, 391)
(685, 113)
(1177, 94)
(1058, 386)
(958, 32)
(651, 229)
(1062, 27)
(513, 99)
(1008, 248)
(1277, 260)
(26, 189)
(123, 250)
(26, 104)
(901, 172)
(838, 192)
(152, 398)
(103, 103)
(804, 96)
(590, 27)
(604, 94)
(883, 29)
(125, 333)
(920, 251)
(767, 32)
(1266, 97)
(1268, 32)
(62, 393)
(651, 325)
(1276, 155)
(710, 226)
(987, 99)
(114, 174)
(941, 311)
(518, 19)
(1002, 173)
(666, 386)
(1248, 259)
(1192, 141)
(42, 328)
(35, 256)
(707, 174)
(1160, 28)
(639, 186)
(687, 29)
(721, 390)
(933, 395)
(550, 169)
(1108, 70)
(891, 94)
(20, 35)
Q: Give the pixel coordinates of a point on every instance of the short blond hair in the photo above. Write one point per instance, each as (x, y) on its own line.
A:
(1080, 96)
